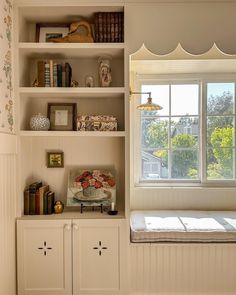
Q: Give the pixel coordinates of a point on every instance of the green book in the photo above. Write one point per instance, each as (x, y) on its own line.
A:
(26, 202)
(50, 199)
(45, 202)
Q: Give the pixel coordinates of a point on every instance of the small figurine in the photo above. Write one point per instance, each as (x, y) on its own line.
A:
(89, 81)
(104, 72)
(74, 83)
(58, 207)
(36, 83)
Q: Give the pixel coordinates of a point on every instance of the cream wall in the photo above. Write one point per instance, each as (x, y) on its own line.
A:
(197, 26)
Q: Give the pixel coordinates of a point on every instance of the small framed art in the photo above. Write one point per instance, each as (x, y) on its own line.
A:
(62, 116)
(55, 159)
(45, 32)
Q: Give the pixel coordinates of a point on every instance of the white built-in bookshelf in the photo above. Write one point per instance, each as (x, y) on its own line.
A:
(84, 149)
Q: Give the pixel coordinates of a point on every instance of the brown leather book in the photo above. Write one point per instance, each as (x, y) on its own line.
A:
(41, 68)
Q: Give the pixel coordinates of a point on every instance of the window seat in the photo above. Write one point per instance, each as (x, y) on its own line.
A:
(183, 226)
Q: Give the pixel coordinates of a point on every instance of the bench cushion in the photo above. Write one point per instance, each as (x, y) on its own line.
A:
(183, 226)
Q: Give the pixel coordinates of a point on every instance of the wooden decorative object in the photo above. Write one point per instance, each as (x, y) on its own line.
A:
(80, 32)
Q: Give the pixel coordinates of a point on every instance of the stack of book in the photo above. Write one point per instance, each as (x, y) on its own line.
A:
(38, 199)
(51, 74)
(109, 27)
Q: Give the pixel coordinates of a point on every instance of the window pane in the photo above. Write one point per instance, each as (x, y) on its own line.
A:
(154, 164)
(184, 99)
(154, 132)
(220, 98)
(220, 163)
(184, 164)
(220, 131)
(184, 132)
(160, 95)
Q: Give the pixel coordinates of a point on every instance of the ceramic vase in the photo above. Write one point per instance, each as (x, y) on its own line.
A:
(39, 122)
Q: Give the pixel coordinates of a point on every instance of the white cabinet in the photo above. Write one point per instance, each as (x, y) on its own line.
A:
(44, 257)
(48, 266)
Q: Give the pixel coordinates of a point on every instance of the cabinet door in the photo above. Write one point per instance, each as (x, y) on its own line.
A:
(44, 257)
(96, 252)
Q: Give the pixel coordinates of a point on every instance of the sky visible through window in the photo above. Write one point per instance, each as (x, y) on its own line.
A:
(181, 104)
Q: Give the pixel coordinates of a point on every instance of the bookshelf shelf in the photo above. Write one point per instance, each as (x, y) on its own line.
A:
(70, 50)
(29, 133)
(57, 92)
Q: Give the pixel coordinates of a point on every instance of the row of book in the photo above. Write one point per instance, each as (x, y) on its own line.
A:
(109, 27)
(38, 199)
(52, 74)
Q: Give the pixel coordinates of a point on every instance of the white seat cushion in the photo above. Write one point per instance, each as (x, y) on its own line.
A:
(183, 226)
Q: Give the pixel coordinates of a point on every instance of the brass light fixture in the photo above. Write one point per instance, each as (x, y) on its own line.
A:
(149, 105)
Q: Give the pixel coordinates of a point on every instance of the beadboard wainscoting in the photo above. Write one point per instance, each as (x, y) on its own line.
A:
(183, 269)
(7, 213)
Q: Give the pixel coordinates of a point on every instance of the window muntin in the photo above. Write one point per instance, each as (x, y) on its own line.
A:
(210, 122)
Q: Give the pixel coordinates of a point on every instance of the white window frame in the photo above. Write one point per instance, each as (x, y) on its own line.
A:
(202, 80)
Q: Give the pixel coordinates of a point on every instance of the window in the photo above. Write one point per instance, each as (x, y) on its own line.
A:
(220, 131)
(192, 138)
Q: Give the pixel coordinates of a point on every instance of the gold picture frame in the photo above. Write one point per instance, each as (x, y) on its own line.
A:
(55, 160)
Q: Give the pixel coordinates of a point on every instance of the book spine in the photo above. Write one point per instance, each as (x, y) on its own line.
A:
(108, 27)
(63, 76)
(51, 72)
(59, 75)
(37, 203)
(26, 202)
(100, 26)
(116, 27)
(32, 203)
(112, 20)
(42, 191)
(104, 27)
(50, 200)
(68, 74)
(45, 203)
(47, 75)
(96, 27)
(120, 16)
(41, 69)
(55, 83)
(122, 27)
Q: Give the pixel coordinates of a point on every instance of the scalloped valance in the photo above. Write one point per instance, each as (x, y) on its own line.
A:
(179, 60)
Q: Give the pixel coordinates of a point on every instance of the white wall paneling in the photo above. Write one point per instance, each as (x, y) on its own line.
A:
(7, 213)
(183, 269)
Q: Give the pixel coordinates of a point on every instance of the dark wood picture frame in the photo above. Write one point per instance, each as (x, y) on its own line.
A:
(49, 25)
(62, 116)
(55, 159)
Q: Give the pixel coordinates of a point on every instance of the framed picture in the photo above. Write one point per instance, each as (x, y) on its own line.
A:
(91, 187)
(55, 159)
(62, 116)
(47, 31)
